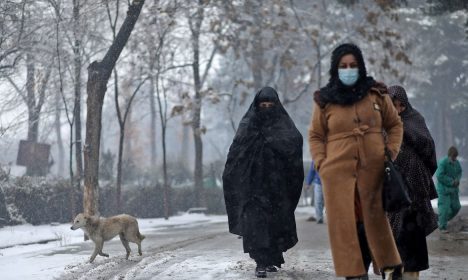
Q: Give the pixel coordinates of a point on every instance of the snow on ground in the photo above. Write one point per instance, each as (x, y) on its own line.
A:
(310, 210)
(44, 261)
(22, 234)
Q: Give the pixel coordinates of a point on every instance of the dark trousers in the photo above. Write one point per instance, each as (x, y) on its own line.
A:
(365, 251)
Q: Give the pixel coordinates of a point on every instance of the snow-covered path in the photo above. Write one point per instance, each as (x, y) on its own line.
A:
(46, 261)
(195, 247)
(206, 252)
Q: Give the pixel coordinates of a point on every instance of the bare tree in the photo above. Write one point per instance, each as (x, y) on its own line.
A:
(122, 118)
(12, 20)
(98, 76)
(34, 98)
(60, 96)
(77, 65)
(156, 63)
(58, 110)
(195, 21)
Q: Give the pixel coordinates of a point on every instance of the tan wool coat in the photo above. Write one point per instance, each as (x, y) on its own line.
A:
(347, 145)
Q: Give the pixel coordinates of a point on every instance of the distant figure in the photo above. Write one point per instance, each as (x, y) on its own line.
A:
(418, 163)
(346, 141)
(448, 175)
(262, 181)
(314, 178)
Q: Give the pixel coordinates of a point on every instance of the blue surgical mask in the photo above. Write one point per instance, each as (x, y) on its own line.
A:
(348, 76)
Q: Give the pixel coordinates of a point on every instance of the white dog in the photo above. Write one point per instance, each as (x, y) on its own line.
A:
(104, 229)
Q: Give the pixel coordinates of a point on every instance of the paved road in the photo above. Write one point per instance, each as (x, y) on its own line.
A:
(209, 252)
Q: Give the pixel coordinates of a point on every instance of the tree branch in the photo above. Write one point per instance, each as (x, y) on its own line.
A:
(43, 87)
(109, 60)
(18, 90)
(208, 66)
(129, 104)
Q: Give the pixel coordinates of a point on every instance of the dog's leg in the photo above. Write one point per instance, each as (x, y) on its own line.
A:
(125, 244)
(97, 249)
(139, 247)
(139, 240)
(103, 254)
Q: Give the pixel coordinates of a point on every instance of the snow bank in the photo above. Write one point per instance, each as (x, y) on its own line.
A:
(23, 234)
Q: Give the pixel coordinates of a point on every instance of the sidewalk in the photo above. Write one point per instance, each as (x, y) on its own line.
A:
(448, 252)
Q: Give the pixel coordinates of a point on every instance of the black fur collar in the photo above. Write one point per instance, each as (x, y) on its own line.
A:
(337, 93)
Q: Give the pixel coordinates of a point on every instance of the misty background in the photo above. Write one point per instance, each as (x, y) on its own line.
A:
(188, 73)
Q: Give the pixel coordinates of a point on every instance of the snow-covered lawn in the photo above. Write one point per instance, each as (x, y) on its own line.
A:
(23, 234)
(44, 261)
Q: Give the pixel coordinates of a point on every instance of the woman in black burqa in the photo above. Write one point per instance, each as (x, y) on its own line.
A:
(262, 181)
(417, 162)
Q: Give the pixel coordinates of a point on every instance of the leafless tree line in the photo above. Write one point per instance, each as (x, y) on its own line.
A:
(183, 61)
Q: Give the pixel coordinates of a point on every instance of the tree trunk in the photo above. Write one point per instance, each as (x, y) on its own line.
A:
(70, 168)
(184, 150)
(153, 124)
(98, 76)
(58, 132)
(77, 106)
(96, 89)
(33, 121)
(122, 121)
(163, 119)
(118, 198)
(128, 155)
(198, 172)
(257, 42)
(196, 117)
(166, 183)
(34, 109)
(118, 190)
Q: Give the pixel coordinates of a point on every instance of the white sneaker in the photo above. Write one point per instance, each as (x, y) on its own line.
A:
(388, 273)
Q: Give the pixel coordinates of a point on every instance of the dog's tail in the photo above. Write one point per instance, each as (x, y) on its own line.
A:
(141, 236)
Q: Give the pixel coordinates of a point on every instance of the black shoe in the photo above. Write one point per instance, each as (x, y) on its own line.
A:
(311, 219)
(320, 221)
(271, 268)
(260, 272)
(363, 277)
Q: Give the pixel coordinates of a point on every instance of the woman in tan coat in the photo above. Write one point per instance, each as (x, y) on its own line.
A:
(346, 140)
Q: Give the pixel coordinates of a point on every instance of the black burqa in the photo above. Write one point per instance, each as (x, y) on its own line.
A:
(418, 163)
(263, 178)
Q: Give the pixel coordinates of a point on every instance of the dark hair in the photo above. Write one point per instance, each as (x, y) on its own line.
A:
(343, 50)
(452, 152)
